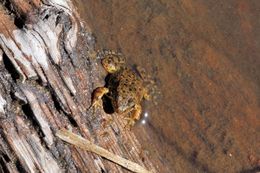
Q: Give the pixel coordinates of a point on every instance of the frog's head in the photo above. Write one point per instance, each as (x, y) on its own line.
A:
(113, 62)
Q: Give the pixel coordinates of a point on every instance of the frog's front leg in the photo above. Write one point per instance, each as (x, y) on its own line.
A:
(136, 114)
(97, 97)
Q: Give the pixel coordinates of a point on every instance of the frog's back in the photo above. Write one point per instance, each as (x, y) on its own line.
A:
(129, 89)
(130, 84)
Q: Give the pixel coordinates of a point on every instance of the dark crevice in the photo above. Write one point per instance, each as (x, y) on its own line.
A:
(7, 5)
(59, 108)
(19, 19)
(3, 165)
(56, 102)
(6, 158)
(46, 17)
(10, 67)
(72, 121)
(19, 167)
(107, 99)
(30, 115)
(103, 171)
(107, 105)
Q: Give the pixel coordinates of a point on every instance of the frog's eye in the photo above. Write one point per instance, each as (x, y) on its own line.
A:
(109, 65)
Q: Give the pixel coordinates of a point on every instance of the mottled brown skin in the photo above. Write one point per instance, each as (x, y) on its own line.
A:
(125, 87)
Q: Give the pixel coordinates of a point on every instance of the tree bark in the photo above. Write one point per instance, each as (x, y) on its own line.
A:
(47, 75)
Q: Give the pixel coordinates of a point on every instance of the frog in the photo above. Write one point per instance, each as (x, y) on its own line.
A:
(124, 87)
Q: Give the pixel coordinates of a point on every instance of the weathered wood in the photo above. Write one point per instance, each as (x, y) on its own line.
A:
(78, 141)
(47, 75)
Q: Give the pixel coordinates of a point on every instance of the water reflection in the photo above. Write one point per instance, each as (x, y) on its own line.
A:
(144, 118)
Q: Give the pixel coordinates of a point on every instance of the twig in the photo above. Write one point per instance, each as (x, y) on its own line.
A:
(81, 142)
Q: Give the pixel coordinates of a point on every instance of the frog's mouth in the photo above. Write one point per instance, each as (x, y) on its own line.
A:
(110, 68)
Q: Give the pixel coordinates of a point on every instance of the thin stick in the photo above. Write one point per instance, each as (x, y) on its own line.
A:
(87, 145)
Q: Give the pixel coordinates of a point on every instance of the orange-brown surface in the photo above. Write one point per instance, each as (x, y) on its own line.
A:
(204, 56)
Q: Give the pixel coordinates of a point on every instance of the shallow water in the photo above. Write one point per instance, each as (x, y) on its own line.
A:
(204, 57)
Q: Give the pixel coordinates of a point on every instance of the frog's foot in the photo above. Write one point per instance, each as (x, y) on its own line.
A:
(136, 113)
(97, 97)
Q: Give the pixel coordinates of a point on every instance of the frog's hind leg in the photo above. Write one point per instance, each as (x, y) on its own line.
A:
(136, 112)
(135, 115)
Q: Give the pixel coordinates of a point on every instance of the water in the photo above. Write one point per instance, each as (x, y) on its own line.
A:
(204, 57)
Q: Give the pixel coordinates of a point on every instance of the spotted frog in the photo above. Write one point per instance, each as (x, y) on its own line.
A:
(124, 87)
